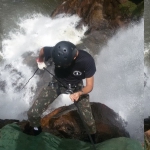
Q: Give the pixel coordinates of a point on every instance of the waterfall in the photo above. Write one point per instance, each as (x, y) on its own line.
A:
(118, 80)
(18, 58)
(146, 111)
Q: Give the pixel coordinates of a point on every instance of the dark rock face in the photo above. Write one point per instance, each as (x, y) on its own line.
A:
(103, 18)
(65, 122)
(100, 14)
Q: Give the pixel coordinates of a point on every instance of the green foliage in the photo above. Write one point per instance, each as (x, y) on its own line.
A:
(139, 11)
(130, 9)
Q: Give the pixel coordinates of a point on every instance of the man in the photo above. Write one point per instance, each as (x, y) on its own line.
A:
(71, 67)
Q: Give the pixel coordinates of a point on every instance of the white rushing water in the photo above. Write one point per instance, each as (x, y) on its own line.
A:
(147, 80)
(34, 32)
(119, 77)
(146, 58)
(118, 80)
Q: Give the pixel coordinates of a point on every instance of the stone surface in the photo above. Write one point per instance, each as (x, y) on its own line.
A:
(103, 17)
(100, 14)
(65, 122)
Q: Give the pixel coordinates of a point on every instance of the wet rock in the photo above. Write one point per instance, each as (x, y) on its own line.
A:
(103, 18)
(65, 122)
(100, 14)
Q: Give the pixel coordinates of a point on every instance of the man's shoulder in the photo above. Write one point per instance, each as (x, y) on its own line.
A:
(85, 55)
(87, 63)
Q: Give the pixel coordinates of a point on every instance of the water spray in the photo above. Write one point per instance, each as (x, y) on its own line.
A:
(30, 78)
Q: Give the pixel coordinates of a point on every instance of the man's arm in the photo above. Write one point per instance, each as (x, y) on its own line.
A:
(40, 60)
(87, 89)
(41, 55)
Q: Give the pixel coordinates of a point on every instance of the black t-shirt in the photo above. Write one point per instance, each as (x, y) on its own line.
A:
(82, 67)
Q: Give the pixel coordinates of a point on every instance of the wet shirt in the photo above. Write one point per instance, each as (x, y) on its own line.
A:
(82, 67)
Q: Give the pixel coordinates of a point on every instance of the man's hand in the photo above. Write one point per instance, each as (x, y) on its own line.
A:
(75, 96)
(88, 88)
(41, 65)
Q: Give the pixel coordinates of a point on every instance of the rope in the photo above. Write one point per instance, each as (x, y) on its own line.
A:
(49, 73)
(30, 78)
(56, 78)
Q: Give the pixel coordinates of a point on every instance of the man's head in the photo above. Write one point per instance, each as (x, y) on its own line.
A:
(64, 53)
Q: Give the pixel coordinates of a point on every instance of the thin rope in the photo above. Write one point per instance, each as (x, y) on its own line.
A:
(49, 73)
(30, 78)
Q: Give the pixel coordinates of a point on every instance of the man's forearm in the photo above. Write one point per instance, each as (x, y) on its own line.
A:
(86, 90)
(41, 55)
(89, 86)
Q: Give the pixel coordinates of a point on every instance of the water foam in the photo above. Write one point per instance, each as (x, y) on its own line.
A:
(119, 77)
(33, 33)
(118, 80)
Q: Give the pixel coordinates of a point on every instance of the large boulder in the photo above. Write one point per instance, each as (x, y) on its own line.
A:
(103, 18)
(65, 122)
(102, 14)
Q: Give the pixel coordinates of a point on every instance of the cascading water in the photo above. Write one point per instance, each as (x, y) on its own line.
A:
(34, 32)
(118, 80)
(146, 59)
(146, 111)
(119, 77)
